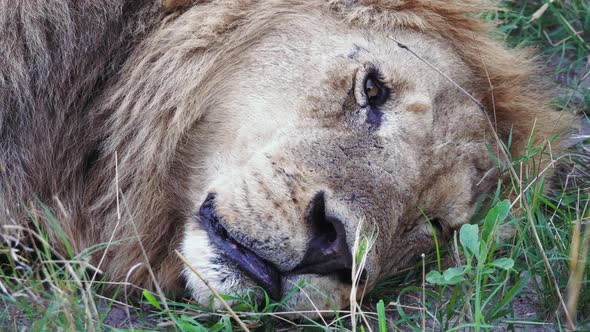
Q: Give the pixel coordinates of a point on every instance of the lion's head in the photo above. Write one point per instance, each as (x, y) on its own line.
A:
(339, 128)
(264, 139)
(280, 129)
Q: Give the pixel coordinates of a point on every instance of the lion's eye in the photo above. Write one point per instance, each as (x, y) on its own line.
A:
(371, 89)
(375, 91)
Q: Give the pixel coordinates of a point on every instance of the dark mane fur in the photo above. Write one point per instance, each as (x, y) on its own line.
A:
(52, 66)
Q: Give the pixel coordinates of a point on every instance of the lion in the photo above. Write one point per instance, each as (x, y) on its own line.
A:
(260, 139)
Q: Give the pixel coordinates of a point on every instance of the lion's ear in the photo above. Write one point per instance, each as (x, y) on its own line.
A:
(173, 5)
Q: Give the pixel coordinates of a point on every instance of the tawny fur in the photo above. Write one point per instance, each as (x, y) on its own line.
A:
(81, 81)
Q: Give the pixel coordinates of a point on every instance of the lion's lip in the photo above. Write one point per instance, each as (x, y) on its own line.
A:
(261, 271)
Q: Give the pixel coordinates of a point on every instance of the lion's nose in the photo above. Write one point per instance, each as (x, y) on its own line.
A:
(327, 252)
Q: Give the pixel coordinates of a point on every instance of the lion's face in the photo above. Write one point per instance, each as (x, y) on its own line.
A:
(336, 129)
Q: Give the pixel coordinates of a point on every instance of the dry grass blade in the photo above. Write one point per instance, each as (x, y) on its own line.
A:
(111, 238)
(403, 46)
(578, 260)
(315, 308)
(536, 15)
(423, 310)
(145, 257)
(129, 273)
(361, 247)
(524, 205)
(215, 293)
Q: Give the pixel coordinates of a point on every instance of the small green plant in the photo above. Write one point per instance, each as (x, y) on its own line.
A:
(480, 266)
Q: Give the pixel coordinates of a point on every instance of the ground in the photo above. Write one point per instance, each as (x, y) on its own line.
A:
(481, 281)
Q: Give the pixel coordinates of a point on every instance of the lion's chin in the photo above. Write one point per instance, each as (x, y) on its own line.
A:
(308, 295)
(305, 296)
(313, 295)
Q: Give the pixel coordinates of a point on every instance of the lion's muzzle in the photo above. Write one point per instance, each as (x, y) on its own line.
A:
(327, 252)
(261, 271)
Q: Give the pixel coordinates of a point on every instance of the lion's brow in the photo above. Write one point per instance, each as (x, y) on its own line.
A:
(470, 96)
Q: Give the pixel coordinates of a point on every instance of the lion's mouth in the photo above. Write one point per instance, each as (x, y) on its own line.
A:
(261, 271)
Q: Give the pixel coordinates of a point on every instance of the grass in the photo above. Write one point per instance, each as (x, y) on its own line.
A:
(560, 31)
(482, 280)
